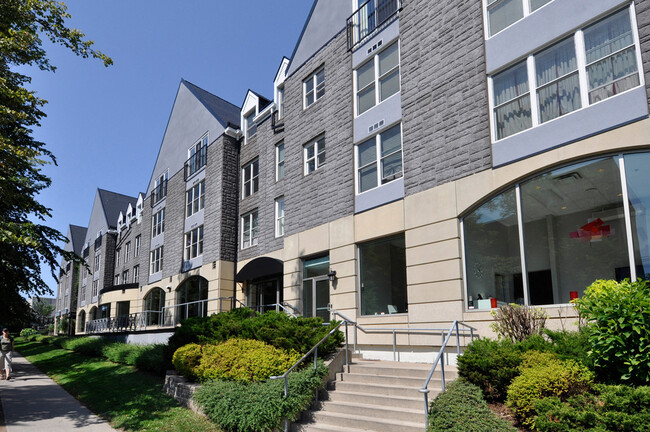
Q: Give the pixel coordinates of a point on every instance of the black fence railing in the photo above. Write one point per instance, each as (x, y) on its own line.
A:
(369, 18)
(195, 162)
(159, 193)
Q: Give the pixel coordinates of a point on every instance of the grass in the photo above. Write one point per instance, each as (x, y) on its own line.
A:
(128, 399)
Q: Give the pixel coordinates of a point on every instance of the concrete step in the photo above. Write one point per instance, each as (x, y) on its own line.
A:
(378, 389)
(414, 370)
(380, 400)
(390, 380)
(377, 412)
(323, 418)
(313, 427)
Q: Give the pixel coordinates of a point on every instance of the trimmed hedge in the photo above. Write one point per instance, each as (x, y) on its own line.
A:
(262, 406)
(462, 409)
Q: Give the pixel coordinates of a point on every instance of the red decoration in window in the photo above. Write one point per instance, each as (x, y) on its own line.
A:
(594, 230)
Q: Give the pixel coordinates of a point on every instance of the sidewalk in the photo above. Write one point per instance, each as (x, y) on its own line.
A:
(33, 402)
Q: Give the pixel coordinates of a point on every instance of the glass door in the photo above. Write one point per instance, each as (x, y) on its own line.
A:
(316, 288)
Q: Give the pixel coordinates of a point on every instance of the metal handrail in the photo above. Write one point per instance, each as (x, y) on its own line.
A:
(276, 306)
(232, 300)
(440, 358)
(314, 350)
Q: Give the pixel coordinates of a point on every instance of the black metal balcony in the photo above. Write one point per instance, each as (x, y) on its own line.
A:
(195, 162)
(159, 193)
(369, 19)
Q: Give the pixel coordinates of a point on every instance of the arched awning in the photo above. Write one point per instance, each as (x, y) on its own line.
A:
(258, 268)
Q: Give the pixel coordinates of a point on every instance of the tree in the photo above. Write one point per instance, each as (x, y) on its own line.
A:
(25, 241)
(42, 311)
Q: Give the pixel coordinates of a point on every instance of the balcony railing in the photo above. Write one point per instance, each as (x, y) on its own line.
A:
(172, 315)
(195, 162)
(369, 18)
(159, 193)
(124, 323)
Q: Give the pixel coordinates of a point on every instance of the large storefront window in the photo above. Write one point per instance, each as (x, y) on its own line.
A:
(190, 296)
(383, 276)
(153, 306)
(573, 232)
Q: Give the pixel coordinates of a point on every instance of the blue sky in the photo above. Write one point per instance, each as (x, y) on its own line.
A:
(105, 125)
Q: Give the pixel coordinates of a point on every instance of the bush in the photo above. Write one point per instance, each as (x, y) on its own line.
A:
(277, 329)
(517, 322)
(491, 365)
(28, 333)
(618, 328)
(543, 375)
(89, 346)
(611, 408)
(257, 407)
(462, 409)
(235, 360)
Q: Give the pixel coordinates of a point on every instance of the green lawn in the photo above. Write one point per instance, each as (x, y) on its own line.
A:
(129, 399)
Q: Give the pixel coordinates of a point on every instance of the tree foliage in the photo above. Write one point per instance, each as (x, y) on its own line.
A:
(25, 241)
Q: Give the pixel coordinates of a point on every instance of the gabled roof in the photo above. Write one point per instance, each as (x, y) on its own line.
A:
(113, 203)
(263, 102)
(77, 237)
(223, 110)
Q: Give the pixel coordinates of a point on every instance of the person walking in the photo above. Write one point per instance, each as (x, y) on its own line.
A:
(6, 353)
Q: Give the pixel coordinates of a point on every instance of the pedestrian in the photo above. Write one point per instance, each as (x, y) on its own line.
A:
(6, 353)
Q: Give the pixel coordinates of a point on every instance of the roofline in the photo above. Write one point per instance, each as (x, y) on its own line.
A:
(222, 121)
(302, 33)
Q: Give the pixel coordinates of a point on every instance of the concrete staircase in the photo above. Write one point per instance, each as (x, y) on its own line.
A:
(378, 396)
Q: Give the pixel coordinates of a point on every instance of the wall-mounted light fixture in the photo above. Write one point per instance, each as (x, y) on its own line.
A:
(169, 288)
(331, 275)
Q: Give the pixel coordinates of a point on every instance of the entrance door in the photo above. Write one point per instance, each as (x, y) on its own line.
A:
(264, 296)
(316, 298)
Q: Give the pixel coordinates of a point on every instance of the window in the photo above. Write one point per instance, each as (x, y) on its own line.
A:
(153, 306)
(379, 159)
(280, 102)
(314, 154)
(279, 217)
(503, 13)
(158, 223)
(378, 79)
(156, 260)
(383, 276)
(137, 245)
(127, 251)
(160, 188)
(251, 127)
(197, 156)
(194, 243)
(195, 199)
(117, 257)
(279, 161)
(608, 50)
(250, 176)
(125, 277)
(95, 288)
(314, 87)
(98, 260)
(117, 279)
(136, 273)
(250, 230)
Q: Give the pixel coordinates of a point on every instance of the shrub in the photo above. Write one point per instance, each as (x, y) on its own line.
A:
(491, 365)
(543, 375)
(462, 409)
(572, 345)
(235, 360)
(89, 346)
(618, 328)
(517, 322)
(276, 329)
(28, 333)
(256, 407)
(620, 408)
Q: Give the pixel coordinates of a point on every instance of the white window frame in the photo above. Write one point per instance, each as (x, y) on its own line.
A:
(316, 89)
(319, 149)
(95, 288)
(280, 104)
(125, 276)
(117, 257)
(378, 159)
(253, 232)
(195, 199)
(156, 260)
(136, 273)
(279, 163)
(578, 39)
(158, 223)
(279, 216)
(138, 243)
(194, 243)
(127, 251)
(526, 7)
(376, 83)
(158, 182)
(249, 117)
(251, 186)
(98, 263)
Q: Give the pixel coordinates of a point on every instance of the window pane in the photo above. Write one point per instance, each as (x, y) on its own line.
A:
(367, 178)
(307, 298)
(365, 75)
(513, 117)
(559, 98)
(502, 14)
(574, 229)
(608, 36)
(388, 59)
(367, 152)
(310, 151)
(492, 254)
(391, 167)
(281, 152)
(320, 77)
(391, 140)
(310, 99)
(510, 84)
(613, 75)
(536, 4)
(309, 85)
(366, 99)
(383, 276)
(556, 61)
(638, 179)
(389, 85)
(315, 267)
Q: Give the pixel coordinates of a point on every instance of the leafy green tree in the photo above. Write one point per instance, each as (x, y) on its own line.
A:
(41, 310)
(25, 241)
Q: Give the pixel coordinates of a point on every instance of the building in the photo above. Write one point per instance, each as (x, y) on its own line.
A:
(413, 167)
(65, 304)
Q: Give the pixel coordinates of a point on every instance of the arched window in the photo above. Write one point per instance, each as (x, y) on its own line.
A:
(189, 296)
(93, 313)
(154, 302)
(81, 321)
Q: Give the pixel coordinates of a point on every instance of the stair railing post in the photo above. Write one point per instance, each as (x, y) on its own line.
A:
(457, 340)
(442, 371)
(347, 346)
(425, 392)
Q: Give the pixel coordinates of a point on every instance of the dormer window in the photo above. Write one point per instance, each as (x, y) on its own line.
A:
(249, 124)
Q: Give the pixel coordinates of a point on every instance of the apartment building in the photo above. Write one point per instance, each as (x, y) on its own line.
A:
(65, 304)
(417, 163)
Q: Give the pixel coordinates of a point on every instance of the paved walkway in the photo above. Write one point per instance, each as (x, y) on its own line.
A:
(33, 402)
